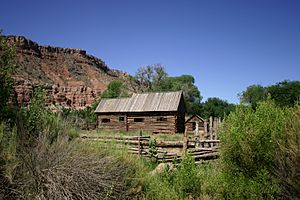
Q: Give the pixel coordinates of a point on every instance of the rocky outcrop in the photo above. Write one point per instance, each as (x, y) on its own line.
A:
(71, 77)
(58, 97)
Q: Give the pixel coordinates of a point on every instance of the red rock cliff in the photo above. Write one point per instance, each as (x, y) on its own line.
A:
(71, 77)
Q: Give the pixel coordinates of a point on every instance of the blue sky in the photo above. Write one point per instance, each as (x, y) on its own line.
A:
(226, 45)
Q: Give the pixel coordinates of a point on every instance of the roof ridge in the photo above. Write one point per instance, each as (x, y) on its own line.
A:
(159, 92)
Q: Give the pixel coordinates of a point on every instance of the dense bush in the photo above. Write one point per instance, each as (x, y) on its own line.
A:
(253, 144)
(287, 158)
(175, 184)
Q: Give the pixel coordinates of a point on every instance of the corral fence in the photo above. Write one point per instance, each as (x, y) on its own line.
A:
(163, 151)
(168, 151)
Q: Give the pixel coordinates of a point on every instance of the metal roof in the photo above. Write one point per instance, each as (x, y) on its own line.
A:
(145, 102)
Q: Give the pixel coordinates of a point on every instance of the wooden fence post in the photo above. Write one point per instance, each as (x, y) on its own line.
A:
(205, 129)
(139, 142)
(210, 128)
(185, 144)
(197, 136)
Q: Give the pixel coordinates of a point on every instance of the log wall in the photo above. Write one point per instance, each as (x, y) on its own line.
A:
(114, 123)
(152, 123)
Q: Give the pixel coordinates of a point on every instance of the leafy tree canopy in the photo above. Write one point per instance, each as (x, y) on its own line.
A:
(252, 95)
(7, 68)
(154, 78)
(115, 89)
(285, 93)
(151, 77)
(191, 93)
(216, 107)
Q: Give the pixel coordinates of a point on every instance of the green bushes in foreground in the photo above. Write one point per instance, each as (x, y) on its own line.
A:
(253, 146)
(174, 184)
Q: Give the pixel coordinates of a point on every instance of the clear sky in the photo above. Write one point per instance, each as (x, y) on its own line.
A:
(226, 45)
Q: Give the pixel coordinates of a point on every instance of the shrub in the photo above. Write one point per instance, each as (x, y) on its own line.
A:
(186, 180)
(249, 138)
(179, 184)
(255, 145)
(287, 158)
(7, 150)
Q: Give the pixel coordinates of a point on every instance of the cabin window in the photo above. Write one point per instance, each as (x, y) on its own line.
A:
(162, 119)
(194, 126)
(121, 119)
(138, 119)
(105, 120)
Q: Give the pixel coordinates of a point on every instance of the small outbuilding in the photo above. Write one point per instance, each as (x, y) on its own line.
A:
(196, 125)
(156, 112)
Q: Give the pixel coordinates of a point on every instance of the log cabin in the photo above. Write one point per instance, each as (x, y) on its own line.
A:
(155, 112)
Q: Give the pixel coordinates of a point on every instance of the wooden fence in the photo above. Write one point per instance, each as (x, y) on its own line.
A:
(163, 151)
(170, 151)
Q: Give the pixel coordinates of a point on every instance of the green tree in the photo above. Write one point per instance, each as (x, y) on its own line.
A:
(252, 95)
(144, 77)
(216, 107)
(115, 89)
(151, 77)
(155, 78)
(285, 93)
(8, 111)
(159, 77)
(7, 68)
(36, 114)
(191, 93)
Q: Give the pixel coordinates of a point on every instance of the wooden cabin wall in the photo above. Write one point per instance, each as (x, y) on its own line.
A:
(152, 124)
(114, 124)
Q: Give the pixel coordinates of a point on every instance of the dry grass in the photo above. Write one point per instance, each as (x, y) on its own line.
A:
(68, 171)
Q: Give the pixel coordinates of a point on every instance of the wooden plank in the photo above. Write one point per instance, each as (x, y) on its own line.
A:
(208, 155)
(202, 149)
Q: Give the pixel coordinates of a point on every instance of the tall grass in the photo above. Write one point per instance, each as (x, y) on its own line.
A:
(66, 169)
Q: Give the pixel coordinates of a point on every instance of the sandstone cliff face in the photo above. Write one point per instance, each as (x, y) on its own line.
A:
(71, 77)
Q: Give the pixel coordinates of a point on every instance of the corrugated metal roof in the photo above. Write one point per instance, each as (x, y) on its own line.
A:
(146, 102)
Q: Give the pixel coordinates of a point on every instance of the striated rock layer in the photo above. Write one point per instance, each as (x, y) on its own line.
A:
(71, 77)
